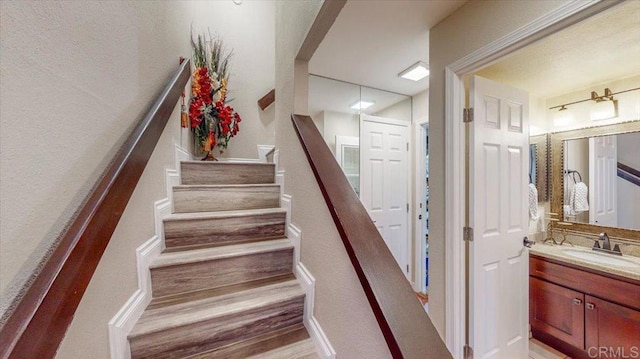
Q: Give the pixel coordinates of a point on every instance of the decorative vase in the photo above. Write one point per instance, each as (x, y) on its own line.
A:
(209, 157)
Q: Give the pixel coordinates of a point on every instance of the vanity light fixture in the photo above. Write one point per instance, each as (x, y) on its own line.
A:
(362, 105)
(605, 107)
(415, 72)
(563, 117)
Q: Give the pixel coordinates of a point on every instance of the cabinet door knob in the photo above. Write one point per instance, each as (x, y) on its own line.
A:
(590, 306)
(577, 301)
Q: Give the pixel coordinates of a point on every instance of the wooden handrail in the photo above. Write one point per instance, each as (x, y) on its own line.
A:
(267, 99)
(41, 318)
(405, 325)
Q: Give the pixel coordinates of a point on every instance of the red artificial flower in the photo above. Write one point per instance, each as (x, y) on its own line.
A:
(195, 111)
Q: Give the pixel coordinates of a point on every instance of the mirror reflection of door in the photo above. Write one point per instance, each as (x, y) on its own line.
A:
(608, 171)
(384, 181)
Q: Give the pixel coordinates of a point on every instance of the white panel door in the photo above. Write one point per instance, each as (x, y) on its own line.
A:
(603, 167)
(384, 181)
(498, 196)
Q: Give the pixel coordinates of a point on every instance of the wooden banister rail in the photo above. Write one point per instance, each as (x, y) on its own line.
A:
(267, 99)
(405, 325)
(41, 318)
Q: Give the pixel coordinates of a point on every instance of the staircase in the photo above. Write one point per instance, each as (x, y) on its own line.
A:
(224, 286)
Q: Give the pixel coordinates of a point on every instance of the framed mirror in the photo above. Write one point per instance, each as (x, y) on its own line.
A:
(595, 179)
(539, 165)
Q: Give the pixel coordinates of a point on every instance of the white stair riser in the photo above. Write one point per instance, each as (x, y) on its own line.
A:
(193, 173)
(202, 199)
(217, 231)
(207, 335)
(206, 274)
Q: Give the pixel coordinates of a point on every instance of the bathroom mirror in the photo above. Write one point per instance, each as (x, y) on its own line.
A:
(539, 165)
(595, 179)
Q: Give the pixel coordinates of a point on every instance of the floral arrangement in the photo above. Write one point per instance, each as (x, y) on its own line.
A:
(213, 121)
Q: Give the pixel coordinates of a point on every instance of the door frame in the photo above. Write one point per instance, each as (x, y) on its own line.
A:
(420, 269)
(410, 221)
(455, 150)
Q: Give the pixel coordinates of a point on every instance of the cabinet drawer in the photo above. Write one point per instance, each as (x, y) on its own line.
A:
(602, 286)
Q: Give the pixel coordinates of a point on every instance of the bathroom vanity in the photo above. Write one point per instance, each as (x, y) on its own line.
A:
(581, 304)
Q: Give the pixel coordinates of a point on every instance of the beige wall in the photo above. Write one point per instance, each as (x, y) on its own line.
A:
(471, 27)
(339, 124)
(340, 304)
(75, 77)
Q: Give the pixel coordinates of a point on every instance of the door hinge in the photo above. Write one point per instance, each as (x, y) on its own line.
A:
(467, 233)
(467, 115)
(467, 352)
(407, 268)
(407, 207)
(407, 146)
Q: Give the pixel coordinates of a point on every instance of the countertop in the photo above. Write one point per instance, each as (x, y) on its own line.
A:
(556, 252)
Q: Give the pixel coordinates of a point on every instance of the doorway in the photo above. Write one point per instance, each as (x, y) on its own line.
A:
(455, 154)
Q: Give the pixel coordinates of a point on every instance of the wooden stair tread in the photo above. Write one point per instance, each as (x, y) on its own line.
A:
(186, 297)
(257, 345)
(213, 253)
(221, 214)
(223, 307)
(187, 187)
(223, 163)
(198, 172)
(303, 349)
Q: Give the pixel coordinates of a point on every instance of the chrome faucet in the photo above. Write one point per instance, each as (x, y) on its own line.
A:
(606, 245)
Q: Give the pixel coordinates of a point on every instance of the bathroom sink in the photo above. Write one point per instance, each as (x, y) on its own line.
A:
(600, 258)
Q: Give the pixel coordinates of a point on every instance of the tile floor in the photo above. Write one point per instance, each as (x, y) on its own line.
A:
(539, 350)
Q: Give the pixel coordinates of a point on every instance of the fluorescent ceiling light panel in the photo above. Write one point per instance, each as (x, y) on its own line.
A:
(415, 72)
(362, 105)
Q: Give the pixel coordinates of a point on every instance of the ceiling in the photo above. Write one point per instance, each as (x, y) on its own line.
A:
(372, 41)
(598, 50)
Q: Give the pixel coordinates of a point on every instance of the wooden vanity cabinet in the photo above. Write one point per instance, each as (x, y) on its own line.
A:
(610, 325)
(557, 311)
(580, 311)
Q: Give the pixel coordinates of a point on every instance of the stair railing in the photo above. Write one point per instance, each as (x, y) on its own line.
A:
(267, 99)
(41, 318)
(406, 327)
(629, 173)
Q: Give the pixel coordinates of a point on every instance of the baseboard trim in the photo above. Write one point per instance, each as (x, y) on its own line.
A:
(122, 323)
(316, 333)
(304, 277)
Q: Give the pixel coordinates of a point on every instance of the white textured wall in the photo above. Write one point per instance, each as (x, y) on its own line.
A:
(340, 303)
(471, 27)
(420, 106)
(75, 76)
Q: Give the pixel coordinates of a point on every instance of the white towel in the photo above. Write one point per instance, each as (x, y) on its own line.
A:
(533, 202)
(578, 200)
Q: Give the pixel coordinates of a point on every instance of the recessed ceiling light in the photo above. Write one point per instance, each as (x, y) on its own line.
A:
(416, 72)
(362, 105)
